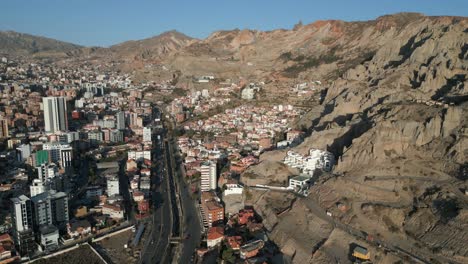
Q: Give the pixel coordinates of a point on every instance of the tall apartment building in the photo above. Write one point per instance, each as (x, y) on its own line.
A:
(50, 208)
(147, 134)
(116, 135)
(120, 117)
(113, 187)
(3, 128)
(212, 210)
(55, 114)
(22, 220)
(208, 176)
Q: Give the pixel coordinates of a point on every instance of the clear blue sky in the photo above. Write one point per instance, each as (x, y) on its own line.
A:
(107, 22)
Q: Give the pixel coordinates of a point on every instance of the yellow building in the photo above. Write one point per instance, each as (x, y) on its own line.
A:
(361, 253)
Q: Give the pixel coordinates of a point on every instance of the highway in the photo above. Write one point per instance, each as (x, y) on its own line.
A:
(171, 204)
(190, 221)
(160, 224)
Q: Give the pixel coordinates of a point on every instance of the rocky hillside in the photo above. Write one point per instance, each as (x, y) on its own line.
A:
(19, 44)
(151, 48)
(395, 116)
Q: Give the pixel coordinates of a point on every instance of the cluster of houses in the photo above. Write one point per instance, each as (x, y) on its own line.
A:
(317, 159)
(243, 235)
(138, 170)
(198, 102)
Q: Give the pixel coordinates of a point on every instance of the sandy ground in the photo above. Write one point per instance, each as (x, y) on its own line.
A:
(114, 247)
(81, 255)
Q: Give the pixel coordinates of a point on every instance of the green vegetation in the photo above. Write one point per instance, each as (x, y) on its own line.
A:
(228, 255)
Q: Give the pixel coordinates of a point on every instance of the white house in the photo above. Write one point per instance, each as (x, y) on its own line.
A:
(298, 182)
(113, 211)
(233, 189)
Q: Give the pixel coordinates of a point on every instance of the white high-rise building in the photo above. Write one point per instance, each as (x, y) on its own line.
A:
(22, 221)
(113, 187)
(208, 176)
(147, 134)
(55, 114)
(22, 213)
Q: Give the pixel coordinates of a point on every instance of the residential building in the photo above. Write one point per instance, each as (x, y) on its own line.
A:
(113, 187)
(248, 93)
(59, 153)
(55, 114)
(22, 220)
(49, 237)
(215, 236)
(3, 127)
(251, 249)
(139, 155)
(50, 208)
(79, 228)
(93, 192)
(147, 134)
(317, 159)
(37, 187)
(23, 152)
(212, 210)
(95, 136)
(46, 172)
(298, 181)
(233, 188)
(113, 211)
(120, 117)
(234, 242)
(208, 176)
(116, 136)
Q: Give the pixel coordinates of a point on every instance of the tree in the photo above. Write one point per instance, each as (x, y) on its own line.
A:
(228, 255)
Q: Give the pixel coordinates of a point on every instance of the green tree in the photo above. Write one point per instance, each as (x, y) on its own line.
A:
(228, 255)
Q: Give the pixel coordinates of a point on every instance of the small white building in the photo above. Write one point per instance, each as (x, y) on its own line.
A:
(233, 189)
(139, 155)
(49, 237)
(113, 211)
(248, 93)
(298, 182)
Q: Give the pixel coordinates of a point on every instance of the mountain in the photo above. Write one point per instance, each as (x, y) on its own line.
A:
(394, 114)
(151, 48)
(14, 43)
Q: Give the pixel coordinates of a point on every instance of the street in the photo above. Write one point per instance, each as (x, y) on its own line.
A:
(165, 221)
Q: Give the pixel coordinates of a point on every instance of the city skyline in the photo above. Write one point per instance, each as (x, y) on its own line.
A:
(108, 23)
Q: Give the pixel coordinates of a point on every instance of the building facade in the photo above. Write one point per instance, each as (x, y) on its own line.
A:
(208, 176)
(55, 114)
